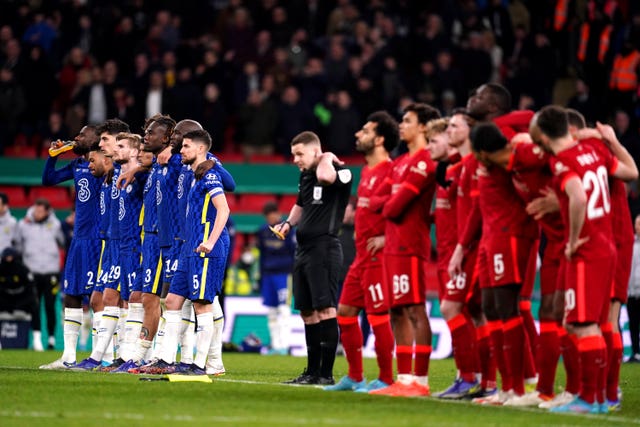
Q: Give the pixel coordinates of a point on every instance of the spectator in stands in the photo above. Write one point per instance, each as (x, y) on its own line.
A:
(583, 102)
(8, 224)
(213, 116)
(94, 97)
(257, 121)
(37, 78)
(344, 124)
(54, 130)
(39, 241)
(293, 118)
(186, 97)
(12, 105)
(75, 61)
(628, 135)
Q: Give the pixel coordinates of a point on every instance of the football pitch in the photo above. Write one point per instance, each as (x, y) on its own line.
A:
(251, 394)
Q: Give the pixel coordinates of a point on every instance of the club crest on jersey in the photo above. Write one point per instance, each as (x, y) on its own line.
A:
(129, 188)
(344, 175)
(559, 168)
(317, 194)
(164, 170)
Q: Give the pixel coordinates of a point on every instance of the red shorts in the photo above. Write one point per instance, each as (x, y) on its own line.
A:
(503, 261)
(406, 277)
(624, 255)
(530, 275)
(550, 277)
(459, 288)
(562, 274)
(588, 286)
(365, 288)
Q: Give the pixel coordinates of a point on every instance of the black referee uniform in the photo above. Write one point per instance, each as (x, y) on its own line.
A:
(317, 267)
(318, 262)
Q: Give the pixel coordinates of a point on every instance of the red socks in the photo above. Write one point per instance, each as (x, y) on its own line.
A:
(593, 357)
(547, 356)
(351, 337)
(381, 325)
(464, 346)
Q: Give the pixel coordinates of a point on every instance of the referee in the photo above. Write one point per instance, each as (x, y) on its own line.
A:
(323, 193)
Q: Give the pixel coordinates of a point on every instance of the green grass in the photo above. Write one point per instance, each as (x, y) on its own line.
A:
(251, 395)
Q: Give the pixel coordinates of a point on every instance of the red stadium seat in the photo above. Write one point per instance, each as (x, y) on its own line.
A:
(22, 151)
(232, 201)
(266, 158)
(58, 197)
(253, 202)
(286, 202)
(16, 194)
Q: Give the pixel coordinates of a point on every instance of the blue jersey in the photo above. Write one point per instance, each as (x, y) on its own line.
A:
(87, 190)
(105, 209)
(170, 217)
(151, 199)
(201, 216)
(130, 212)
(113, 231)
(185, 180)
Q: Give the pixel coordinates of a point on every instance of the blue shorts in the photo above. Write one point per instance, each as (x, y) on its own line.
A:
(170, 256)
(205, 275)
(131, 272)
(81, 266)
(273, 288)
(110, 271)
(151, 265)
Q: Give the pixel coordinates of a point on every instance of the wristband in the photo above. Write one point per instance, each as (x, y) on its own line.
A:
(286, 221)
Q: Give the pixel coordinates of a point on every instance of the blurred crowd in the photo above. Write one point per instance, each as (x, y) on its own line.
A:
(257, 72)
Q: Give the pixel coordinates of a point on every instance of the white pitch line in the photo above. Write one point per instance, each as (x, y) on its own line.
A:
(232, 420)
(607, 417)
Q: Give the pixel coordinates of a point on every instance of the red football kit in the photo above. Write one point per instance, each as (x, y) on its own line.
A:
(529, 165)
(589, 272)
(363, 286)
(407, 240)
(446, 223)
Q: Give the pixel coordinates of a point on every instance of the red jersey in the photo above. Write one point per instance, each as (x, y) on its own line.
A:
(467, 192)
(621, 221)
(407, 210)
(503, 212)
(514, 122)
(592, 166)
(529, 165)
(369, 223)
(445, 216)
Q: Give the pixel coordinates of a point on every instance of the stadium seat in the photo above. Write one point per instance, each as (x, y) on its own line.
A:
(266, 158)
(355, 159)
(231, 157)
(16, 194)
(58, 197)
(22, 151)
(232, 201)
(286, 202)
(253, 202)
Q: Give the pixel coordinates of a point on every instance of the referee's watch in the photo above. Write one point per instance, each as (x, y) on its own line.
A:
(286, 221)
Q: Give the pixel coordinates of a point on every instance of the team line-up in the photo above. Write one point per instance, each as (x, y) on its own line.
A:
(509, 187)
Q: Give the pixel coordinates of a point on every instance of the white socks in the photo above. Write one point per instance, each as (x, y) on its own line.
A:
(108, 325)
(132, 330)
(72, 324)
(170, 340)
(203, 338)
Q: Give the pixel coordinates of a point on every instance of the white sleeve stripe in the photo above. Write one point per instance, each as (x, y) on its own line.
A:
(214, 192)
